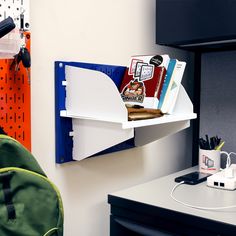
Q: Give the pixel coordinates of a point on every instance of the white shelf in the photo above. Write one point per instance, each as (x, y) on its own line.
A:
(140, 123)
(100, 118)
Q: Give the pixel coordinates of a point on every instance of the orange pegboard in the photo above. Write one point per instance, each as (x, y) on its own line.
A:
(15, 100)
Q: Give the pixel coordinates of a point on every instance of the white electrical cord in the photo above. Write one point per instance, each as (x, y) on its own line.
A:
(196, 207)
(229, 173)
(228, 160)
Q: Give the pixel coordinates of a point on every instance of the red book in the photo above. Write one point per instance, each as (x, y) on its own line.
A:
(142, 83)
(144, 90)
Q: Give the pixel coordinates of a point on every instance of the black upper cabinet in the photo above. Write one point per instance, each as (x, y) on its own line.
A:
(196, 24)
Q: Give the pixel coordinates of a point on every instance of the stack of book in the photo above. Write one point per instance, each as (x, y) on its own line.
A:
(152, 82)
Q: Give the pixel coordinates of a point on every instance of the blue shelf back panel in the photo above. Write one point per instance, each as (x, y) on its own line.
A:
(64, 142)
(116, 73)
(119, 147)
(63, 125)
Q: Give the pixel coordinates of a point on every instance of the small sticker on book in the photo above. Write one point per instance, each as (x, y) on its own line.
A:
(132, 67)
(134, 91)
(156, 60)
(146, 72)
(138, 68)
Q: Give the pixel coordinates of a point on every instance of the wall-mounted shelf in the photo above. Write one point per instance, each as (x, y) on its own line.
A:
(91, 117)
(140, 123)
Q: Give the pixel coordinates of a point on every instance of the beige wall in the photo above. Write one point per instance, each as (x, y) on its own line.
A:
(106, 32)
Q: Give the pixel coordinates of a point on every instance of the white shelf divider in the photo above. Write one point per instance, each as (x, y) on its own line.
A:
(92, 136)
(92, 94)
(100, 118)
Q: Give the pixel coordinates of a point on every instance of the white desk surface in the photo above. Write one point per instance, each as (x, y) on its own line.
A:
(157, 194)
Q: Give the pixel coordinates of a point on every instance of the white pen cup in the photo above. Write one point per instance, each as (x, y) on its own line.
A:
(209, 161)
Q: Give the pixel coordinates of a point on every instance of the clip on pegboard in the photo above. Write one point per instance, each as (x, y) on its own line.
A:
(64, 126)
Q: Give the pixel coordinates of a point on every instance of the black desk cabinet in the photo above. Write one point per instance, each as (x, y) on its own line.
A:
(150, 221)
(132, 215)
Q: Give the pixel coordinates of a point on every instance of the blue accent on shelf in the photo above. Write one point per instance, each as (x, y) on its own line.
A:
(116, 73)
(64, 143)
(63, 125)
(119, 147)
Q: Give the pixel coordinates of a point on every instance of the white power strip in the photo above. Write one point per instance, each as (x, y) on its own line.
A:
(225, 179)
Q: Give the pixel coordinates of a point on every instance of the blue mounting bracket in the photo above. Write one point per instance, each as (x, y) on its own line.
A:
(63, 125)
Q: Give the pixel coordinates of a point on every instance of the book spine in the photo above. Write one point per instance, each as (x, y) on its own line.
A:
(161, 82)
(167, 82)
(174, 90)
